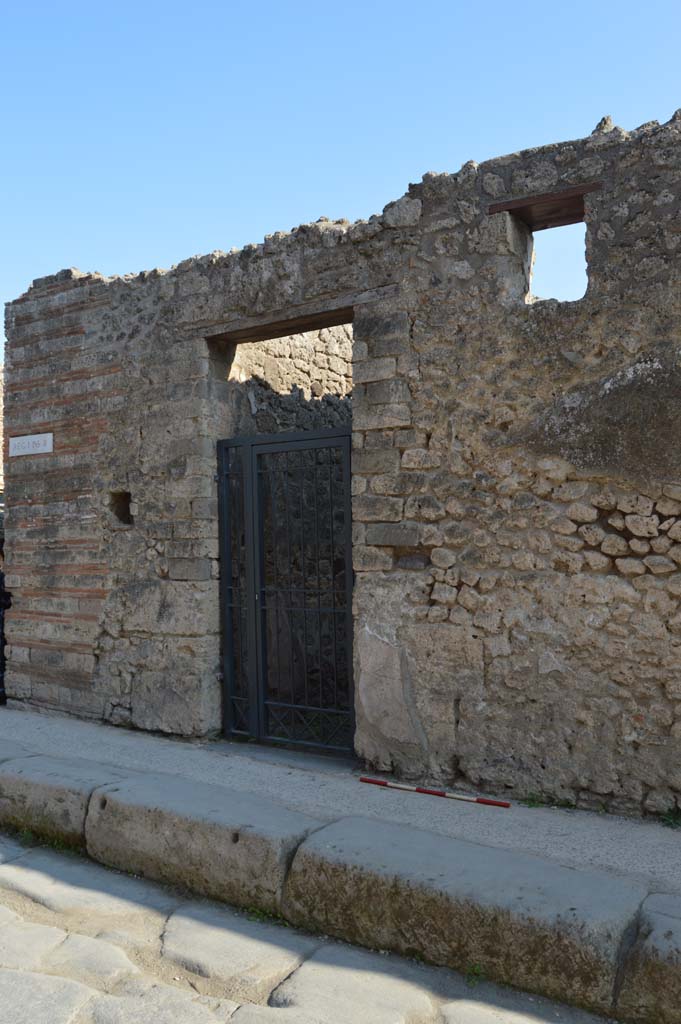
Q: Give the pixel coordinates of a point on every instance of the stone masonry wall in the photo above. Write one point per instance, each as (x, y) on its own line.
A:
(66, 375)
(517, 486)
(120, 620)
(528, 455)
(297, 383)
(2, 448)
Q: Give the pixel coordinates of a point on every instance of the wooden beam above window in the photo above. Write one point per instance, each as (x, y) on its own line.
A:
(549, 210)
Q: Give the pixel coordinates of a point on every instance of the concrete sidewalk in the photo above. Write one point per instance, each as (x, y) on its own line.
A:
(328, 789)
(576, 906)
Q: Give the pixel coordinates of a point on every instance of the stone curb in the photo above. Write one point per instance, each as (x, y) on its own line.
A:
(51, 795)
(525, 921)
(587, 938)
(223, 844)
(651, 984)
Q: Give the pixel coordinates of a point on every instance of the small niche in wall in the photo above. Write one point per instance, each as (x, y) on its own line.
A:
(119, 503)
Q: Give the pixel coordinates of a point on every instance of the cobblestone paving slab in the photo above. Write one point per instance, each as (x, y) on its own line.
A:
(251, 1014)
(23, 946)
(251, 957)
(341, 985)
(7, 915)
(89, 960)
(498, 1008)
(143, 943)
(80, 944)
(157, 1004)
(27, 998)
(67, 884)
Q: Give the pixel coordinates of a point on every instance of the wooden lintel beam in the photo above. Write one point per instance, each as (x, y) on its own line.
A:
(284, 328)
(549, 209)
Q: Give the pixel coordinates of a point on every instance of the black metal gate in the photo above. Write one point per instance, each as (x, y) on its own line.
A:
(286, 572)
(5, 603)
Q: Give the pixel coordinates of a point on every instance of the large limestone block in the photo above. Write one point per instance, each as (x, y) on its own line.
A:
(27, 998)
(339, 985)
(527, 922)
(51, 795)
(250, 957)
(651, 990)
(214, 841)
(380, 687)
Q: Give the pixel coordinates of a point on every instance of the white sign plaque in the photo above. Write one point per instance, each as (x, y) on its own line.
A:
(31, 444)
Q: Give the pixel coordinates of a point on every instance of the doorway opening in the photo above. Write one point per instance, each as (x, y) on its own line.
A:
(287, 588)
(285, 537)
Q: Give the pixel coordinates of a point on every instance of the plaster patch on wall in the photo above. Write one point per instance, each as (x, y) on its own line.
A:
(617, 425)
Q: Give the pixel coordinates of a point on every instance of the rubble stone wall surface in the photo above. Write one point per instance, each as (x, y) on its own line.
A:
(2, 462)
(302, 382)
(517, 485)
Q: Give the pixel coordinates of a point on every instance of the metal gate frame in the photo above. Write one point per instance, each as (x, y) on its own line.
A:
(251, 446)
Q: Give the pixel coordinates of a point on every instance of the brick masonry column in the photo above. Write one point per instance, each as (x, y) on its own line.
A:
(64, 381)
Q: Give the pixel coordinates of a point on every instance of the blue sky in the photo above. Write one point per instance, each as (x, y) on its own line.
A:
(137, 134)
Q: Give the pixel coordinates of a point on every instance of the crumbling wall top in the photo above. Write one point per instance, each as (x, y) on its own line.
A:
(514, 175)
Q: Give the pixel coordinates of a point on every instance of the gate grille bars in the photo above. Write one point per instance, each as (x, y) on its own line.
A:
(286, 584)
(5, 603)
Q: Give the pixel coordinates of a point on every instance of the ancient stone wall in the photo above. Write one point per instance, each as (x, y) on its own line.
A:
(2, 448)
(517, 489)
(302, 382)
(527, 456)
(118, 618)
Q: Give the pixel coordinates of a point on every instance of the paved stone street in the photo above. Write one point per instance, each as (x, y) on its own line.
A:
(80, 944)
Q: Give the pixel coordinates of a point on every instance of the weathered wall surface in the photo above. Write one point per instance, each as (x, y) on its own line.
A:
(2, 399)
(517, 508)
(116, 620)
(528, 457)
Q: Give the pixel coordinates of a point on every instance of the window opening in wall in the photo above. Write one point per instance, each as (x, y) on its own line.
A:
(559, 268)
(119, 503)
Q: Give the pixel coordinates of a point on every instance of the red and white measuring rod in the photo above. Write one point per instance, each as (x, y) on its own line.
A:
(435, 792)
